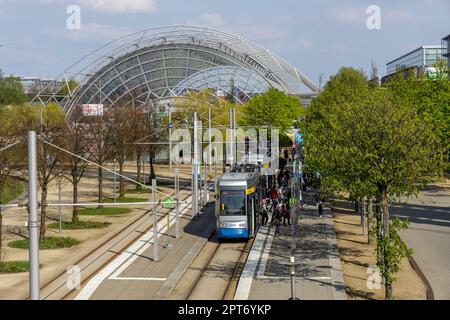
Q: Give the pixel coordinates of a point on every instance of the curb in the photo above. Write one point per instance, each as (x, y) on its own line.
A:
(415, 266)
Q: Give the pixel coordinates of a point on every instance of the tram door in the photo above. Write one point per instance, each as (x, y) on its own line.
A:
(251, 214)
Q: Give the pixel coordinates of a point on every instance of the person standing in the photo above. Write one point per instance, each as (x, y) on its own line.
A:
(264, 216)
(277, 221)
(320, 206)
(286, 216)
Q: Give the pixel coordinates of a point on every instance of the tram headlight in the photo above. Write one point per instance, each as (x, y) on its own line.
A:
(242, 224)
(223, 225)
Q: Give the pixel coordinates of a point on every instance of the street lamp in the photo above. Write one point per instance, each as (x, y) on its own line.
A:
(291, 265)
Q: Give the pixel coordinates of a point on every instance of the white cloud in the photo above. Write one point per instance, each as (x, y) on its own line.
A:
(248, 28)
(348, 15)
(120, 6)
(394, 16)
(91, 32)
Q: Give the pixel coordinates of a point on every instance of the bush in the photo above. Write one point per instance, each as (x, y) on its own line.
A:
(104, 211)
(80, 225)
(47, 243)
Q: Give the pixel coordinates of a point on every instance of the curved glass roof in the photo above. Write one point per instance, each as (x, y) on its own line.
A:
(166, 62)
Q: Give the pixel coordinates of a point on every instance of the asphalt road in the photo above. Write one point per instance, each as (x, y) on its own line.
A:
(429, 235)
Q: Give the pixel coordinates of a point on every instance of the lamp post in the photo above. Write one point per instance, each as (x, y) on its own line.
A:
(291, 265)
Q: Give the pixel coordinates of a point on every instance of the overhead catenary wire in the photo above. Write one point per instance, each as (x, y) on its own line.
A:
(104, 168)
(11, 145)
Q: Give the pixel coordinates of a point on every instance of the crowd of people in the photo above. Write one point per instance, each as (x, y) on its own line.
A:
(276, 201)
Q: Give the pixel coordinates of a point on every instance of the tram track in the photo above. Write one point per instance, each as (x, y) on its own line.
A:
(222, 265)
(123, 239)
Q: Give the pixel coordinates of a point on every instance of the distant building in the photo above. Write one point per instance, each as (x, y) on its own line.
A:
(418, 61)
(33, 85)
(1, 74)
(446, 48)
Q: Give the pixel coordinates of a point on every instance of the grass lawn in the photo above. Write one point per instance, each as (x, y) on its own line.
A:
(127, 200)
(105, 211)
(79, 225)
(47, 243)
(139, 191)
(12, 190)
(14, 266)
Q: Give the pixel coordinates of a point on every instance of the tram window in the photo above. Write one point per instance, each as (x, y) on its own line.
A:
(232, 203)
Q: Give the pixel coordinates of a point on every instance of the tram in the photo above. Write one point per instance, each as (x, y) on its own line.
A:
(238, 202)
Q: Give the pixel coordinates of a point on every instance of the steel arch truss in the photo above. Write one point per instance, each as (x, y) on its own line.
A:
(162, 63)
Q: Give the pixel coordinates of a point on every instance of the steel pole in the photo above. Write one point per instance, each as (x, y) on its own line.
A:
(209, 140)
(170, 137)
(155, 223)
(234, 137)
(59, 201)
(33, 221)
(215, 162)
(195, 170)
(115, 181)
(230, 157)
(177, 209)
(205, 184)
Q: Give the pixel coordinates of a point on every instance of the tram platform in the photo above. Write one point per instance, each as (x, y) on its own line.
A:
(319, 274)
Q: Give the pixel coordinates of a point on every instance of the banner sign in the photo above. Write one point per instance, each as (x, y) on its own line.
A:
(92, 110)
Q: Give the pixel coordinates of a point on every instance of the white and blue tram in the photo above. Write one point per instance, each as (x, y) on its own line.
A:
(238, 202)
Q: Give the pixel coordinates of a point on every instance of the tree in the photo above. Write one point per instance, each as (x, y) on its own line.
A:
(274, 108)
(121, 148)
(373, 140)
(11, 158)
(76, 142)
(431, 99)
(67, 88)
(52, 130)
(99, 131)
(12, 91)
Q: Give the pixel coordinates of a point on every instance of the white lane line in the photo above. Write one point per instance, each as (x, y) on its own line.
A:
(138, 279)
(265, 255)
(288, 278)
(162, 227)
(246, 278)
(95, 282)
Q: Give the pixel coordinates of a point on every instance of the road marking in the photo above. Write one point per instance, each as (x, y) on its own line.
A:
(137, 279)
(130, 253)
(246, 278)
(162, 227)
(288, 278)
(265, 255)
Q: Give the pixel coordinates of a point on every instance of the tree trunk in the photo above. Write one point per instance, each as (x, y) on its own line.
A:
(121, 181)
(75, 200)
(378, 221)
(43, 211)
(369, 219)
(384, 204)
(1, 234)
(138, 167)
(152, 170)
(100, 185)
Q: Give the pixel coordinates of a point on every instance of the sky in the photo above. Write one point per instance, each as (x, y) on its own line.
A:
(315, 36)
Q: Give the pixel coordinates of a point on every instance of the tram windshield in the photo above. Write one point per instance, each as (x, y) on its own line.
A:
(232, 203)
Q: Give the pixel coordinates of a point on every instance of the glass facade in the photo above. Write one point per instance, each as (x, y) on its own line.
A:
(161, 63)
(424, 56)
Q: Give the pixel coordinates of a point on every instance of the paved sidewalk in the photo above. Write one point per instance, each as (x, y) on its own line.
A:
(319, 276)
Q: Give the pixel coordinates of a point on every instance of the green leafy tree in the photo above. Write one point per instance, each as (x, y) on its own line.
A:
(375, 143)
(273, 108)
(12, 91)
(431, 99)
